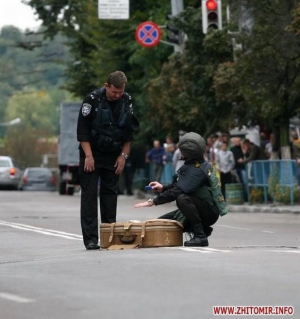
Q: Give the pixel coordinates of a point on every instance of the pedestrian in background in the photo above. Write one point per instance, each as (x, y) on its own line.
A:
(237, 152)
(135, 165)
(217, 143)
(177, 163)
(295, 141)
(157, 157)
(169, 152)
(128, 176)
(225, 164)
(239, 168)
(252, 152)
(209, 151)
(105, 128)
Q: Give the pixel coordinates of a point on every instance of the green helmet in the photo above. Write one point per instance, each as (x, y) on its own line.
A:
(192, 145)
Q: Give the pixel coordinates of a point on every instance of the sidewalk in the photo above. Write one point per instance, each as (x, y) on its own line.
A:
(265, 208)
(278, 208)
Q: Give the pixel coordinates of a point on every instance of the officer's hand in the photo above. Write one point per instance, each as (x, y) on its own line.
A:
(120, 164)
(156, 186)
(89, 164)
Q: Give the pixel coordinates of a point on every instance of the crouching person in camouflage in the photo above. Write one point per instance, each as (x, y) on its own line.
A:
(192, 192)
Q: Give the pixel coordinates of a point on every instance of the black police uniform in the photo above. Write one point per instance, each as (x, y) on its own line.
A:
(106, 126)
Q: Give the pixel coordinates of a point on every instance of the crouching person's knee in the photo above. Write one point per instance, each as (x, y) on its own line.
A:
(181, 199)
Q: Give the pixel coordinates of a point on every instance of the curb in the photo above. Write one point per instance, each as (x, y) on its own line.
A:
(264, 209)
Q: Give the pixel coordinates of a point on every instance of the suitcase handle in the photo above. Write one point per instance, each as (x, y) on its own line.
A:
(127, 239)
(164, 220)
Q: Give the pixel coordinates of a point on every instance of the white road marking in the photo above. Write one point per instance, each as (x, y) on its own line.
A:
(216, 250)
(193, 249)
(45, 231)
(15, 298)
(263, 231)
(203, 250)
(285, 251)
(234, 227)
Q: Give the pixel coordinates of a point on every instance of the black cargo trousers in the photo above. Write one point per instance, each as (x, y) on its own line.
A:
(104, 179)
(195, 210)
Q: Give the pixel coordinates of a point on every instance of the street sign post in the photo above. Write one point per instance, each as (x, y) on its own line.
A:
(148, 34)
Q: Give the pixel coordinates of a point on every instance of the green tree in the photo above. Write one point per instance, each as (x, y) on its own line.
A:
(99, 47)
(263, 82)
(28, 65)
(28, 145)
(184, 92)
(35, 109)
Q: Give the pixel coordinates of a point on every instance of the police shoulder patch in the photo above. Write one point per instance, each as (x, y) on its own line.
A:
(86, 109)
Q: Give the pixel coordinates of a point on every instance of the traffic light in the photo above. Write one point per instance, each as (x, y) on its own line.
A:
(174, 34)
(211, 15)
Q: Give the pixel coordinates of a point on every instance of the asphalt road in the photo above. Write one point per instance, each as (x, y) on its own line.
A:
(45, 272)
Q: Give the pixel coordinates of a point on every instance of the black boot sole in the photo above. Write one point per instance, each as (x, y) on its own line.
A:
(196, 245)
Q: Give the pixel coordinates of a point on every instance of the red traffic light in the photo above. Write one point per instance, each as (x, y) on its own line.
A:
(211, 5)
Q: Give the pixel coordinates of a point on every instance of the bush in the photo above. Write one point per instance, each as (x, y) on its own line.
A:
(256, 195)
(282, 194)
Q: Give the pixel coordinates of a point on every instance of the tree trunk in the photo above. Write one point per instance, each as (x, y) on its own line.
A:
(285, 152)
(284, 141)
(274, 155)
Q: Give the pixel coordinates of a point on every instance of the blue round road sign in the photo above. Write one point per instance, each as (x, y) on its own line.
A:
(148, 34)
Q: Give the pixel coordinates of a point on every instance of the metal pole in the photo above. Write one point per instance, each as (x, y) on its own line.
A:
(176, 8)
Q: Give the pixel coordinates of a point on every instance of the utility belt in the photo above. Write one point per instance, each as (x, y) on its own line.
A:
(105, 143)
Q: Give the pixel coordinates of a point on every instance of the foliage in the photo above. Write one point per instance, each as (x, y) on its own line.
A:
(31, 108)
(184, 93)
(279, 193)
(23, 144)
(283, 194)
(99, 47)
(263, 81)
(272, 184)
(256, 195)
(30, 68)
(30, 80)
(207, 87)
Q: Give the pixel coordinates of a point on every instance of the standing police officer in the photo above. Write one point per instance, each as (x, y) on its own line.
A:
(105, 130)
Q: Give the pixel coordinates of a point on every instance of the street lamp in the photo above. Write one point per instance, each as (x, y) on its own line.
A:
(6, 124)
(12, 122)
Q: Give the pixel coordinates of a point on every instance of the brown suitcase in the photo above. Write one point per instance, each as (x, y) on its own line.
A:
(149, 233)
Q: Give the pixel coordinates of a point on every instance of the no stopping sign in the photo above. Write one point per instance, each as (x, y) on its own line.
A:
(148, 34)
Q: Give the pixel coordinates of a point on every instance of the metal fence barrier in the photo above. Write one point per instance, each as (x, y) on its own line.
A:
(273, 175)
(144, 176)
(268, 175)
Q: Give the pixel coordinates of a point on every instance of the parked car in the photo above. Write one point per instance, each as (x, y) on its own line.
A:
(37, 179)
(10, 173)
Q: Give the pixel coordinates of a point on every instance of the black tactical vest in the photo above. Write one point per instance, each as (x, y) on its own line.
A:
(107, 133)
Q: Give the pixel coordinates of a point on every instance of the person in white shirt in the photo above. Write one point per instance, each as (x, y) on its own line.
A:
(225, 163)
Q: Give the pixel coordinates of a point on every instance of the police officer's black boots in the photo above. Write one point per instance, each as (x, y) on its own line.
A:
(199, 239)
